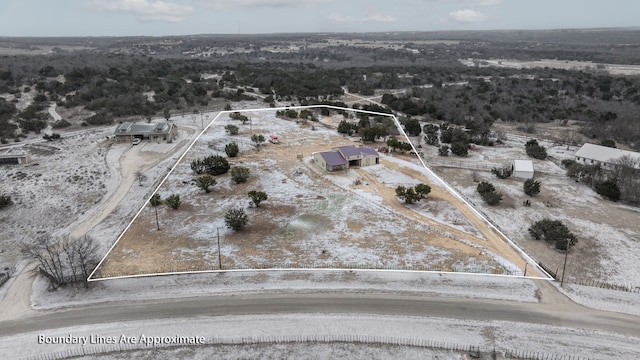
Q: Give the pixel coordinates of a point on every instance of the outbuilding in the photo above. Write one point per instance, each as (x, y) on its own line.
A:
(127, 131)
(17, 159)
(592, 154)
(522, 169)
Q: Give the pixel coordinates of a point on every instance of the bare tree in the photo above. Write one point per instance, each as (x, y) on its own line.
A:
(48, 255)
(85, 252)
(140, 176)
(570, 137)
(66, 261)
(627, 171)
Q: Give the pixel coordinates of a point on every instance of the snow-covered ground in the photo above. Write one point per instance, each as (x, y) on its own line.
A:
(320, 328)
(613, 69)
(263, 335)
(608, 232)
(326, 327)
(325, 212)
(375, 331)
(64, 180)
(247, 282)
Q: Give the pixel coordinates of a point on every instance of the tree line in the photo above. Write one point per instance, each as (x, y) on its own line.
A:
(116, 86)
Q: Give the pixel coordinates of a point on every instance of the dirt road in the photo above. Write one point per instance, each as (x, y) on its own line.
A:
(17, 301)
(492, 241)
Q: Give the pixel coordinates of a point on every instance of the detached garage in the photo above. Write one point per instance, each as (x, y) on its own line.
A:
(15, 159)
(522, 169)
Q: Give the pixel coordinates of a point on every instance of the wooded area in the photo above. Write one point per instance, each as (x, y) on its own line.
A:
(116, 78)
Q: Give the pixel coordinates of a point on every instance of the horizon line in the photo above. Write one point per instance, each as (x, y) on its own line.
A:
(231, 34)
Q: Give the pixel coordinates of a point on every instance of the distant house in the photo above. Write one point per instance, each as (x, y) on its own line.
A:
(17, 159)
(344, 157)
(522, 169)
(127, 131)
(592, 154)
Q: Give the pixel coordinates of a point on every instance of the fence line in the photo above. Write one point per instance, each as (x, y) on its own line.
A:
(356, 266)
(482, 167)
(376, 340)
(315, 266)
(554, 274)
(463, 165)
(604, 285)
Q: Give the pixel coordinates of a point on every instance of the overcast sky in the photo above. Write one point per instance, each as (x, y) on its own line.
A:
(182, 17)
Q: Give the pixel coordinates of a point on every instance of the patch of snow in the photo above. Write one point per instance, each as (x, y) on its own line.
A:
(605, 299)
(251, 282)
(377, 330)
(53, 113)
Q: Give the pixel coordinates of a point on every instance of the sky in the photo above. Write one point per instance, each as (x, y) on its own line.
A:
(185, 17)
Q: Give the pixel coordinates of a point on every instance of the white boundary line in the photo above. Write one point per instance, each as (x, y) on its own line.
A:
(528, 258)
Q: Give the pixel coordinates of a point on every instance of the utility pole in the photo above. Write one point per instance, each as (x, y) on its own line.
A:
(564, 267)
(219, 256)
(157, 222)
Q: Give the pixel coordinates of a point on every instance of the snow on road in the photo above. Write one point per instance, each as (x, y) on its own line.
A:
(374, 329)
(53, 113)
(249, 282)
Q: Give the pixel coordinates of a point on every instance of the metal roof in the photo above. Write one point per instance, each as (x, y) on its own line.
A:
(128, 128)
(348, 150)
(603, 153)
(12, 156)
(523, 165)
(333, 158)
(368, 152)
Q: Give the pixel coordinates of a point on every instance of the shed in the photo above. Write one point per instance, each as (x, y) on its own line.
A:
(18, 159)
(522, 169)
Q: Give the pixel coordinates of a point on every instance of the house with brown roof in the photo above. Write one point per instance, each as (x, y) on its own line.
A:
(344, 157)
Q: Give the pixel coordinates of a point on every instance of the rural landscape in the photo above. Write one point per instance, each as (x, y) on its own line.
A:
(462, 165)
(308, 218)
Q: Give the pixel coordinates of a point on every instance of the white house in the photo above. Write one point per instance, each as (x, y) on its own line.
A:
(592, 154)
(522, 169)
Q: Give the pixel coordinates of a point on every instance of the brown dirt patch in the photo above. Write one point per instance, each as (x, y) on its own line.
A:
(317, 223)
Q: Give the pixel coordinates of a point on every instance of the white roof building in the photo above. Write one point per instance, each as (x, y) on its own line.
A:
(522, 169)
(127, 131)
(592, 154)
